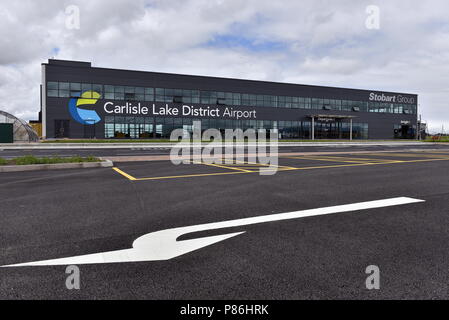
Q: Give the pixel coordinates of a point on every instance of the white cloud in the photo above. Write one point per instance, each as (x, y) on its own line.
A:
(319, 42)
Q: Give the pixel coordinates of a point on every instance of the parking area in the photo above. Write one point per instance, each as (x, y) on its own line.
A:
(307, 232)
(161, 170)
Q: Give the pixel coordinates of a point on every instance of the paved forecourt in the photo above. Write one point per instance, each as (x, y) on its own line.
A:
(153, 230)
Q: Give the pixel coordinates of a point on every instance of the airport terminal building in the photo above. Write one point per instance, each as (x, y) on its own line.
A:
(81, 101)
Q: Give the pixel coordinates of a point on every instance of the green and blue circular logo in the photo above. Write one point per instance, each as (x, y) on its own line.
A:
(81, 115)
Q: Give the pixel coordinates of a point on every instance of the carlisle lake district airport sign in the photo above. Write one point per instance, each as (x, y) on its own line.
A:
(185, 111)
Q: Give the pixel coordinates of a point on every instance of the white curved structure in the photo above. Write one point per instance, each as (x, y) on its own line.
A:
(23, 132)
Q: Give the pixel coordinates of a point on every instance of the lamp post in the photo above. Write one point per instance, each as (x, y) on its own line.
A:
(418, 123)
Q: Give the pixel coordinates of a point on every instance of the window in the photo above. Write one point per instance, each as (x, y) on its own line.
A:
(129, 90)
(205, 95)
(64, 94)
(119, 96)
(52, 86)
(259, 99)
(75, 89)
(52, 93)
(98, 88)
(177, 92)
(236, 99)
(108, 88)
(281, 102)
(186, 96)
(169, 92)
(274, 101)
(295, 102)
(288, 102)
(253, 100)
(160, 94)
(86, 89)
(149, 94)
(213, 97)
(130, 96)
(64, 86)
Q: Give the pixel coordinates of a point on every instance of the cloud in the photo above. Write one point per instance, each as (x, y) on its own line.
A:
(314, 42)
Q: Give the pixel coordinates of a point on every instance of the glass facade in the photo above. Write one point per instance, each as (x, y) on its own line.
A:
(404, 131)
(167, 95)
(161, 127)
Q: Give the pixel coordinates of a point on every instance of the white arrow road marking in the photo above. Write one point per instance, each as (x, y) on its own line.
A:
(162, 245)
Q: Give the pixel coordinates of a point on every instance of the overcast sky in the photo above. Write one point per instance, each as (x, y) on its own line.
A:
(305, 42)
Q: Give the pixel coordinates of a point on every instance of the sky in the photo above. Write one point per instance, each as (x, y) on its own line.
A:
(319, 42)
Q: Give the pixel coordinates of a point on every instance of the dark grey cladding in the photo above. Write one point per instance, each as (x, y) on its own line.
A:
(381, 125)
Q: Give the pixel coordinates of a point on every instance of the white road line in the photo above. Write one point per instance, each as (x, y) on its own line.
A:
(163, 245)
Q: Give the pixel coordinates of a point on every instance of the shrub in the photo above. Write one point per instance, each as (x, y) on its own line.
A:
(26, 160)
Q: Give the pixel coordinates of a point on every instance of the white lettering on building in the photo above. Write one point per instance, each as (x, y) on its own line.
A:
(185, 110)
(393, 99)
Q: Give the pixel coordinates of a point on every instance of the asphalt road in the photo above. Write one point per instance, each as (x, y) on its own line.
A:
(55, 214)
(10, 153)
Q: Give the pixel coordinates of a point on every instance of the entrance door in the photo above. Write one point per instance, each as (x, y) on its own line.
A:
(89, 130)
(62, 128)
(330, 130)
(404, 131)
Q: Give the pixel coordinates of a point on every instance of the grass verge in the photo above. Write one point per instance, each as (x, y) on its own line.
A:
(438, 139)
(27, 160)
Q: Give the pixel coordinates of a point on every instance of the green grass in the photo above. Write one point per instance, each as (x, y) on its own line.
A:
(438, 139)
(27, 160)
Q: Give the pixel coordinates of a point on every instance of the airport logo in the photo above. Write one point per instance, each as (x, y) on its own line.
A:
(85, 116)
(392, 98)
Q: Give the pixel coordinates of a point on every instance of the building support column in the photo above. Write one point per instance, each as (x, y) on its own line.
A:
(313, 128)
(350, 129)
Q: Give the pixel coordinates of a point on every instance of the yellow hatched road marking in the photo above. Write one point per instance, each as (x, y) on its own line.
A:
(361, 160)
(278, 169)
(346, 160)
(224, 166)
(412, 155)
(130, 177)
(193, 175)
(269, 166)
(358, 159)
